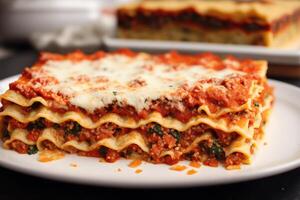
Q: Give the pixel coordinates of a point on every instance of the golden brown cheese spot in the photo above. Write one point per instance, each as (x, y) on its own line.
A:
(81, 78)
(101, 79)
(137, 83)
(138, 171)
(50, 155)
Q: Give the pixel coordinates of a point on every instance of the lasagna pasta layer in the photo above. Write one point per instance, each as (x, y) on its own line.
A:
(240, 125)
(19, 99)
(161, 108)
(55, 138)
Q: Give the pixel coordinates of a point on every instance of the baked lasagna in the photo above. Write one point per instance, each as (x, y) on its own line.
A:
(273, 24)
(158, 108)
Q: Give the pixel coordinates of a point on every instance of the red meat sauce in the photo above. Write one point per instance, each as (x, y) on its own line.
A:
(19, 146)
(234, 92)
(157, 138)
(232, 118)
(236, 158)
(216, 99)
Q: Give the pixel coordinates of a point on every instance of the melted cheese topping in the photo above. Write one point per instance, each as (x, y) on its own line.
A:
(122, 79)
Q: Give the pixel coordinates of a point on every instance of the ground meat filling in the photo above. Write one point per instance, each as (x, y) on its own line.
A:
(234, 159)
(19, 146)
(158, 139)
(49, 145)
(23, 148)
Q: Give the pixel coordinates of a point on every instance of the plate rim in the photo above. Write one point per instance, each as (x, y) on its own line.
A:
(278, 56)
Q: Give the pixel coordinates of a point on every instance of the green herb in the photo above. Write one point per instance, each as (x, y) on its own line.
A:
(56, 126)
(175, 134)
(37, 124)
(217, 151)
(203, 145)
(114, 93)
(73, 128)
(5, 134)
(102, 151)
(256, 104)
(156, 128)
(32, 149)
(35, 105)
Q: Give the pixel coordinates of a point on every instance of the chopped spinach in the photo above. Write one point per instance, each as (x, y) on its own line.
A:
(35, 105)
(103, 151)
(217, 151)
(175, 134)
(56, 126)
(32, 149)
(73, 128)
(156, 128)
(5, 134)
(37, 124)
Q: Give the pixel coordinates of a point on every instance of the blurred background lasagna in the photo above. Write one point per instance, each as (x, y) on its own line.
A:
(65, 25)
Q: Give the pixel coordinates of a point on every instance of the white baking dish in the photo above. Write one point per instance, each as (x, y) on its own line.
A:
(290, 56)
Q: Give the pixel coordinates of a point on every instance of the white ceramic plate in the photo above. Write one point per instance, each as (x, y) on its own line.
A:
(282, 153)
(289, 55)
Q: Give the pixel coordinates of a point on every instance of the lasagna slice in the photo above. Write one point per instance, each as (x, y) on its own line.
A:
(160, 108)
(273, 24)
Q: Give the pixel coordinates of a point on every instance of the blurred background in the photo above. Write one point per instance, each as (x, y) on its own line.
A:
(30, 26)
(55, 25)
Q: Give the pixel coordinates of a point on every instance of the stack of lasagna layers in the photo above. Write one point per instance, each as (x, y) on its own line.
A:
(158, 108)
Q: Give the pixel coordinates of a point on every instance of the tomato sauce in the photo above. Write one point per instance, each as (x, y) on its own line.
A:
(235, 90)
